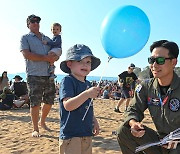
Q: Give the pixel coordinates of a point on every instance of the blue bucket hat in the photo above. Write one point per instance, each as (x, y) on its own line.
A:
(77, 53)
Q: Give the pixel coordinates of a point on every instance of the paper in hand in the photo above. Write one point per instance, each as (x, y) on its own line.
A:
(173, 137)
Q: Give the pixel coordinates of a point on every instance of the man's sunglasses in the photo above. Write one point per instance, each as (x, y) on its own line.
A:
(158, 60)
(33, 21)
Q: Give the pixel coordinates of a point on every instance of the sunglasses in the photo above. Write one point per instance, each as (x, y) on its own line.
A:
(33, 21)
(131, 68)
(158, 60)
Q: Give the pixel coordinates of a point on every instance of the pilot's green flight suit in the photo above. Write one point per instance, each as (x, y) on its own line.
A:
(165, 113)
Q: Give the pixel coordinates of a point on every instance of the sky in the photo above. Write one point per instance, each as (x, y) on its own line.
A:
(81, 22)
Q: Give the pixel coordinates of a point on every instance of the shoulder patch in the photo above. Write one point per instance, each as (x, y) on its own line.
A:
(138, 88)
(174, 104)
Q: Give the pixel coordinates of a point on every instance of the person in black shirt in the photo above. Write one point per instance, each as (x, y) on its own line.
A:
(127, 81)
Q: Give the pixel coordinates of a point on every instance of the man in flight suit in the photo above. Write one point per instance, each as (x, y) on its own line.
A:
(161, 96)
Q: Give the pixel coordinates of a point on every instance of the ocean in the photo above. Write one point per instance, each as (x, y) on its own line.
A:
(60, 77)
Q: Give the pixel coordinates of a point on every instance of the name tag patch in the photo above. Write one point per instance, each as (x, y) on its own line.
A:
(154, 101)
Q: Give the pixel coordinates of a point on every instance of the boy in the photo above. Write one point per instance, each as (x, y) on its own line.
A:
(56, 48)
(76, 94)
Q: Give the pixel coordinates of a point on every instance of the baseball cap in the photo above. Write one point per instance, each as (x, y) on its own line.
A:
(132, 66)
(31, 17)
(77, 53)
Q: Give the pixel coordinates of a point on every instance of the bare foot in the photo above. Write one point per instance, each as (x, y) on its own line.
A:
(44, 127)
(35, 134)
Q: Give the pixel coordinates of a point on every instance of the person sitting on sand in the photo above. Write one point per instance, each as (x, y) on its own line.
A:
(19, 88)
(107, 92)
(6, 98)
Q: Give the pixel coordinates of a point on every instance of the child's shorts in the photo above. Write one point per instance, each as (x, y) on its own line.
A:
(57, 51)
(76, 145)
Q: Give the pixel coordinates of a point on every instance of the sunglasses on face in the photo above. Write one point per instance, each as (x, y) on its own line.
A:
(33, 21)
(131, 68)
(158, 60)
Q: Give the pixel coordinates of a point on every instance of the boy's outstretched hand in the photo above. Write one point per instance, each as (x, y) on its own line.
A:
(93, 92)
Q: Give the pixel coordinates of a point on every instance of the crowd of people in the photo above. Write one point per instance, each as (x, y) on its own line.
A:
(159, 94)
(108, 89)
(14, 94)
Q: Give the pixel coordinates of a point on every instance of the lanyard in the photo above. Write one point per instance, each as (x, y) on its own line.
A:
(164, 101)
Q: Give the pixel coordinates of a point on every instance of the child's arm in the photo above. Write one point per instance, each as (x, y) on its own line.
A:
(55, 42)
(44, 42)
(96, 126)
(74, 102)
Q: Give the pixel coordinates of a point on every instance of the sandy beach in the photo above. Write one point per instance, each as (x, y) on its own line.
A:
(16, 128)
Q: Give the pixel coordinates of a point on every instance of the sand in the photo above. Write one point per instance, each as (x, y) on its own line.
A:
(16, 129)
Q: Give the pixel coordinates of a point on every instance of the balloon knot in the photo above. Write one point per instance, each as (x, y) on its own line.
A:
(109, 58)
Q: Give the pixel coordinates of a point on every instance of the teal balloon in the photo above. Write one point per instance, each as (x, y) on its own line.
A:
(125, 31)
